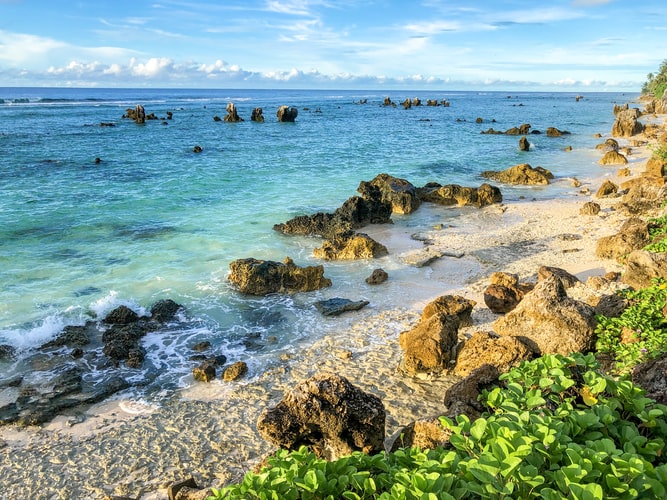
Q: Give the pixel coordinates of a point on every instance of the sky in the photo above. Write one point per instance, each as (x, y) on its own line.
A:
(551, 45)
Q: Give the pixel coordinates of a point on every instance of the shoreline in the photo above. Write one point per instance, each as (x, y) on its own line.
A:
(209, 432)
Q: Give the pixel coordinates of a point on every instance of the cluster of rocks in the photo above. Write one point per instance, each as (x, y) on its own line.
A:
(59, 373)
(416, 102)
(138, 115)
(525, 129)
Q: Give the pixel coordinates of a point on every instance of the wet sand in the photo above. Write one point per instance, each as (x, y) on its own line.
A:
(132, 449)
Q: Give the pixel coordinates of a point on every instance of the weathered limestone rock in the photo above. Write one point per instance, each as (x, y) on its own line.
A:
(428, 346)
(453, 305)
(337, 306)
(377, 277)
(234, 371)
(554, 132)
(524, 145)
(613, 158)
(504, 292)
(652, 377)
(453, 194)
(257, 115)
(590, 208)
(232, 114)
(655, 166)
(568, 280)
(520, 174)
(608, 145)
(549, 322)
(607, 189)
(205, 372)
(399, 192)
(643, 194)
(633, 235)
(463, 397)
(486, 348)
(262, 277)
(287, 114)
(627, 123)
(426, 434)
(328, 414)
(641, 267)
(350, 246)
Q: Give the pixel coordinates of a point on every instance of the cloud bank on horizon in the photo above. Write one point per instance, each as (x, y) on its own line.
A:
(455, 44)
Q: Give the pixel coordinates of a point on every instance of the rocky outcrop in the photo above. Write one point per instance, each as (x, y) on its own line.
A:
(234, 371)
(520, 174)
(590, 208)
(504, 292)
(450, 305)
(655, 166)
(554, 132)
(633, 235)
(262, 277)
(232, 115)
(485, 348)
(350, 246)
(329, 415)
(287, 114)
(377, 277)
(613, 158)
(453, 194)
(524, 145)
(627, 123)
(400, 193)
(608, 145)
(607, 189)
(641, 267)
(643, 194)
(652, 377)
(138, 114)
(426, 434)
(463, 396)
(257, 115)
(550, 322)
(428, 346)
(567, 279)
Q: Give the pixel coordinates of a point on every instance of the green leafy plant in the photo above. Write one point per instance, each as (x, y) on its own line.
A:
(640, 332)
(555, 428)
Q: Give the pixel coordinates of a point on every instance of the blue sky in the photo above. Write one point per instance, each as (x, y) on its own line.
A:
(583, 45)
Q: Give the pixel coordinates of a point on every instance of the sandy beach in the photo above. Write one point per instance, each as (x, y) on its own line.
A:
(126, 448)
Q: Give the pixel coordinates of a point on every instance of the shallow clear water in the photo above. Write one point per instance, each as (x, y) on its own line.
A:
(154, 220)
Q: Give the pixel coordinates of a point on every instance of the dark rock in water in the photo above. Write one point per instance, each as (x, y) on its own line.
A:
(262, 277)
(652, 377)
(217, 119)
(520, 174)
(205, 372)
(350, 246)
(329, 415)
(235, 371)
(201, 346)
(399, 192)
(7, 352)
(165, 310)
(377, 277)
(122, 315)
(287, 114)
(232, 114)
(73, 336)
(257, 115)
(197, 149)
(524, 145)
(336, 306)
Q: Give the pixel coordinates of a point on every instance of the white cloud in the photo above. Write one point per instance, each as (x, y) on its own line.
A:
(20, 48)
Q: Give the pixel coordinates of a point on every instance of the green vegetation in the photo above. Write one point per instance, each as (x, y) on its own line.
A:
(656, 83)
(555, 428)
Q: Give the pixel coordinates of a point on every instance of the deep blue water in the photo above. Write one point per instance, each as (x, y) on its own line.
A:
(154, 220)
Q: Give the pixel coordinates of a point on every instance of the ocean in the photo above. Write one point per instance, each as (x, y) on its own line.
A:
(154, 220)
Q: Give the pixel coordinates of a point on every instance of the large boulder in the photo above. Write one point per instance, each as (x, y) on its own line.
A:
(425, 434)
(633, 235)
(399, 192)
(350, 246)
(328, 414)
(257, 115)
(262, 277)
(641, 267)
(454, 194)
(652, 377)
(550, 322)
(522, 174)
(643, 194)
(627, 123)
(232, 114)
(463, 396)
(287, 114)
(504, 292)
(613, 158)
(429, 345)
(453, 305)
(485, 348)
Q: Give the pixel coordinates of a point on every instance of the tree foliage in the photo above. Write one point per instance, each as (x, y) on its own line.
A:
(656, 83)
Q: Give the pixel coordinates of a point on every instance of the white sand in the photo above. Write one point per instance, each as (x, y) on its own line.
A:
(124, 448)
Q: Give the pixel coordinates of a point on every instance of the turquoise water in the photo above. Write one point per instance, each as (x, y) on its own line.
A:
(154, 220)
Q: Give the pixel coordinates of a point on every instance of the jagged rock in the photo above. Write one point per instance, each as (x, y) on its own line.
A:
(257, 115)
(400, 193)
(655, 166)
(550, 322)
(428, 346)
(122, 315)
(554, 132)
(568, 280)
(590, 208)
(627, 123)
(205, 372)
(262, 277)
(232, 114)
(608, 145)
(502, 299)
(641, 267)
(287, 114)
(138, 114)
(613, 158)
(165, 310)
(453, 305)
(328, 414)
(611, 306)
(607, 189)
(197, 149)
(453, 194)
(7, 352)
(350, 246)
(520, 174)
(122, 340)
(201, 346)
(652, 377)
(643, 194)
(377, 277)
(427, 434)
(337, 306)
(463, 396)
(633, 235)
(72, 336)
(486, 348)
(524, 145)
(235, 371)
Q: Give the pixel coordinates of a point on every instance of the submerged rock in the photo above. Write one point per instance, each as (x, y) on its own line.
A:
(262, 277)
(329, 415)
(337, 306)
(350, 246)
(377, 277)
